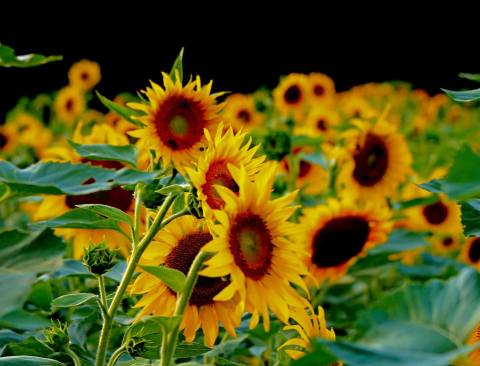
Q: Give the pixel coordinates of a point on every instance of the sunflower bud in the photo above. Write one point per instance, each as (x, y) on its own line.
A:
(194, 205)
(135, 347)
(150, 197)
(56, 336)
(276, 145)
(99, 258)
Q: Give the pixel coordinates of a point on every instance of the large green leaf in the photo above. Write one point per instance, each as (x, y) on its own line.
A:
(68, 300)
(464, 95)
(463, 180)
(473, 77)
(171, 277)
(9, 59)
(108, 212)
(471, 217)
(13, 297)
(28, 361)
(66, 178)
(124, 153)
(399, 241)
(23, 320)
(122, 111)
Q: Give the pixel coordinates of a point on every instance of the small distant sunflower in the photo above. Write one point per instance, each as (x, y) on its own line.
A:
(471, 252)
(212, 168)
(308, 327)
(240, 112)
(84, 75)
(8, 139)
(322, 88)
(444, 243)
(291, 94)
(251, 245)
(176, 246)
(357, 107)
(337, 233)
(323, 121)
(378, 161)
(69, 104)
(23, 128)
(175, 118)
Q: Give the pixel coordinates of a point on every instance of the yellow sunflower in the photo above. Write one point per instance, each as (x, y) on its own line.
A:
(120, 124)
(8, 138)
(444, 243)
(323, 121)
(291, 94)
(473, 357)
(308, 327)
(471, 252)
(211, 170)
(240, 112)
(176, 246)
(322, 89)
(378, 160)
(337, 233)
(357, 107)
(84, 75)
(175, 118)
(69, 104)
(251, 244)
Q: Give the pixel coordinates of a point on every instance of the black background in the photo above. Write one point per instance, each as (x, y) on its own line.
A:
(241, 53)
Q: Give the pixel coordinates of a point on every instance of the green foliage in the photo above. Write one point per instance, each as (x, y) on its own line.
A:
(9, 59)
(99, 258)
(66, 301)
(177, 68)
(471, 217)
(125, 154)
(28, 361)
(122, 111)
(463, 96)
(171, 277)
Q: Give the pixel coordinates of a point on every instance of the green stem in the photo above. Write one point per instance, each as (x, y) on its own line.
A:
(74, 357)
(103, 296)
(169, 219)
(136, 215)
(181, 305)
(127, 276)
(116, 355)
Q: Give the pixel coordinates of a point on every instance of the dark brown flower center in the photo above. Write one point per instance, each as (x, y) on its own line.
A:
(447, 242)
(339, 240)
(318, 90)
(218, 174)
(371, 161)
(322, 124)
(304, 168)
(474, 250)
(84, 76)
(69, 105)
(181, 258)
(435, 213)
(3, 140)
(251, 245)
(293, 94)
(244, 116)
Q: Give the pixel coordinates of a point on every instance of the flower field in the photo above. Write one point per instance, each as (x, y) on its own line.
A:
(183, 225)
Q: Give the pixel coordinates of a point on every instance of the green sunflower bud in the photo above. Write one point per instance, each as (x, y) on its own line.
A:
(194, 205)
(56, 336)
(99, 258)
(135, 347)
(150, 196)
(276, 145)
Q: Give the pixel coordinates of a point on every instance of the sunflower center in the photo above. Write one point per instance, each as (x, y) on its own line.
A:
(218, 174)
(304, 168)
(371, 161)
(116, 197)
(322, 124)
(251, 245)
(84, 76)
(244, 115)
(69, 105)
(181, 258)
(474, 250)
(447, 242)
(3, 140)
(339, 240)
(179, 122)
(435, 213)
(318, 90)
(293, 94)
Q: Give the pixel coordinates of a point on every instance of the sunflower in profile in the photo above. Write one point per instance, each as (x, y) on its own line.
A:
(251, 244)
(175, 118)
(176, 246)
(290, 96)
(377, 161)
(308, 326)
(84, 75)
(470, 253)
(337, 233)
(240, 112)
(69, 104)
(322, 89)
(212, 168)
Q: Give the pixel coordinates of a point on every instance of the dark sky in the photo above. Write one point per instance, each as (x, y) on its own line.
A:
(132, 53)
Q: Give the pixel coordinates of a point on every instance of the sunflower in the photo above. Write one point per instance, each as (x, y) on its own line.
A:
(176, 246)
(444, 243)
(120, 124)
(175, 119)
(291, 94)
(473, 357)
(226, 148)
(322, 89)
(240, 112)
(357, 107)
(84, 75)
(323, 121)
(308, 327)
(8, 138)
(69, 104)
(337, 233)
(377, 161)
(471, 252)
(251, 245)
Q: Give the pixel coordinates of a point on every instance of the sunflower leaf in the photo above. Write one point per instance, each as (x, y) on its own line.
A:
(120, 110)
(473, 77)
(68, 300)
(125, 154)
(464, 95)
(173, 278)
(28, 361)
(177, 67)
(9, 59)
(471, 217)
(108, 212)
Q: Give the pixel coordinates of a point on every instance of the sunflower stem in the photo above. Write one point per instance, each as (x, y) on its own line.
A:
(103, 296)
(74, 357)
(181, 305)
(116, 355)
(127, 276)
(137, 212)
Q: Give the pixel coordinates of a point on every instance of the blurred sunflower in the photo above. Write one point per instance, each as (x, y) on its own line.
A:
(175, 119)
(470, 253)
(251, 245)
(322, 89)
(377, 161)
(240, 112)
(357, 107)
(84, 75)
(212, 168)
(69, 104)
(8, 138)
(290, 96)
(176, 246)
(308, 327)
(120, 124)
(473, 357)
(323, 122)
(444, 243)
(337, 233)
